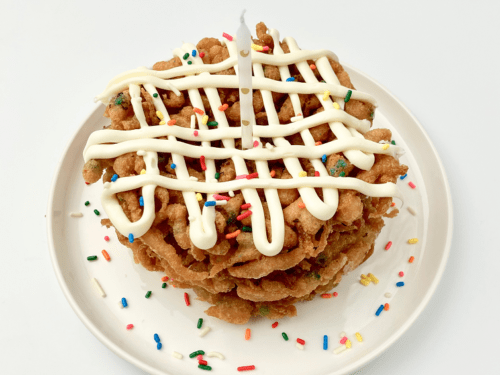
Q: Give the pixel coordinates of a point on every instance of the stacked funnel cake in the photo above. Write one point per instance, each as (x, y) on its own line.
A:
(251, 231)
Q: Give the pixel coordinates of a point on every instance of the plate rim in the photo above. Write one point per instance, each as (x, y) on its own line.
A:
(363, 361)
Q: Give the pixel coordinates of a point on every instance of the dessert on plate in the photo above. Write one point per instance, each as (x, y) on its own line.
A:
(251, 230)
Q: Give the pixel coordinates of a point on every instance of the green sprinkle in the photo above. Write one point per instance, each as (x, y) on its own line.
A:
(342, 174)
(231, 218)
(200, 323)
(247, 229)
(97, 212)
(323, 81)
(217, 175)
(194, 354)
(212, 123)
(119, 99)
(155, 95)
(285, 336)
(148, 294)
(341, 163)
(372, 114)
(186, 56)
(87, 203)
(393, 142)
(92, 257)
(164, 285)
(317, 275)
(189, 63)
(348, 96)
(264, 310)
(203, 367)
(332, 171)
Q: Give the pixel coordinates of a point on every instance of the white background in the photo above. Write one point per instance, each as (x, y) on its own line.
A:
(440, 58)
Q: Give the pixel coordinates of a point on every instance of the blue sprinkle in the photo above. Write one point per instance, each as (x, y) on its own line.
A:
(124, 302)
(325, 342)
(157, 338)
(173, 166)
(193, 53)
(158, 346)
(141, 201)
(131, 238)
(379, 310)
(210, 203)
(400, 284)
(291, 79)
(114, 178)
(323, 158)
(404, 176)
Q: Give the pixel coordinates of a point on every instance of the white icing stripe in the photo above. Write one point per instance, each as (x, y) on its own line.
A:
(107, 151)
(268, 131)
(231, 82)
(257, 57)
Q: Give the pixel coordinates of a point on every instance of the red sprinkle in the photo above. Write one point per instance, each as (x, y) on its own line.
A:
(171, 122)
(195, 133)
(252, 175)
(202, 162)
(246, 368)
(386, 307)
(316, 173)
(244, 215)
(202, 54)
(223, 107)
(106, 255)
(401, 273)
(301, 205)
(246, 206)
(335, 294)
(202, 362)
(388, 246)
(273, 173)
(87, 183)
(186, 299)
(274, 325)
(130, 326)
(312, 66)
(199, 357)
(198, 111)
(227, 36)
(106, 238)
(301, 342)
(255, 143)
(412, 185)
(221, 197)
(164, 278)
(265, 48)
(326, 295)
(343, 340)
(319, 143)
(393, 204)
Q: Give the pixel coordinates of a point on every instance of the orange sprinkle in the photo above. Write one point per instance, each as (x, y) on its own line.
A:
(393, 204)
(198, 111)
(326, 295)
(171, 122)
(106, 255)
(312, 66)
(386, 307)
(412, 258)
(319, 143)
(223, 107)
(301, 205)
(248, 333)
(273, 173)
(233, 235)
(164, 278)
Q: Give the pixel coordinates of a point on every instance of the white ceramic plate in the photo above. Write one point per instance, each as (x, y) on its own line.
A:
(71, 240)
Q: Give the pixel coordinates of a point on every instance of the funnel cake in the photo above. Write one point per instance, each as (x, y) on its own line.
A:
(251, 231)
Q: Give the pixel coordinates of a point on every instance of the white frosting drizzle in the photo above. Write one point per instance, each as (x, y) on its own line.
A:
(348, 130)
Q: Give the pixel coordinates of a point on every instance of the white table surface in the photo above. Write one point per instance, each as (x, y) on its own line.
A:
(440, 58)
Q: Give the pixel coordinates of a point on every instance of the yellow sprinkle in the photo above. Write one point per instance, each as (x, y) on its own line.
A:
(373, 278)
(359, 337)
(160, 115)
(302, 174)
(204, 120)
(413, 240)
(348, 344)
(162, 122)
(143, 171)
(326, 94)
(385, 147)
(198, 197)
(255, 47)
(365, 282)
(364, 276)
(336, 105)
